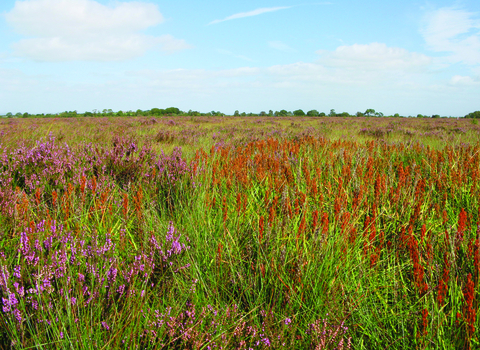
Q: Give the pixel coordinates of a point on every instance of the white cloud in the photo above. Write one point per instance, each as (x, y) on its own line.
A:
(62, 30)
(280, 46)
(455, 31)
(367, 66)
(374, 57)
(250, 13)
(461, 80)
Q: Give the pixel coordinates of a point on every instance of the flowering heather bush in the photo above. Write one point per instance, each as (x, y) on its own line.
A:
(58, 280)
(50, 166)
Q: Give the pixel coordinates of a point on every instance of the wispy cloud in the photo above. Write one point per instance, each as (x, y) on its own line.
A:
(374, 57)
(251, 13)
(280, 46)
(229, 53)
(454, 31)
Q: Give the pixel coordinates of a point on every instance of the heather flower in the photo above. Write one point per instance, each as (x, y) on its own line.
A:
(17, 271)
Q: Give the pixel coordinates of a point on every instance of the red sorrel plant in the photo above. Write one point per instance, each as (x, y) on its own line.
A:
(462, 222)
(443, 283)
(424, 322)
(470, 312)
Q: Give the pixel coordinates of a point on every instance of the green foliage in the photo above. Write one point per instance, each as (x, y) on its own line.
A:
(157, 112)
(475, 114)
(282, 113)
(298, 112)
(172, 110)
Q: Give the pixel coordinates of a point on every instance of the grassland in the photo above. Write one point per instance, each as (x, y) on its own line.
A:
(231, 233)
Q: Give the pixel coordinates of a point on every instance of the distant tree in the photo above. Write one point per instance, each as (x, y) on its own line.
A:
(322, 114)
(436, 116)
(9, 115)
(120, 114)
(270, 113)
(139, 112)
(332, 113)
(369, 112)
(313, 113)
(420, 116)
(263, 114)
(475, 114)
(243, 114)
(299, 113)
(396, 115)
(156, 112)
(193, 113)
(343, 114)
(237, 113)
(88, 114)
(281, 113)
(172, 110)
(378, 114)
(359, 114)
(25, 115)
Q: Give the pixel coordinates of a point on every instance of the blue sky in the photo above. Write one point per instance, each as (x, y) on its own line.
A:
(404, 57)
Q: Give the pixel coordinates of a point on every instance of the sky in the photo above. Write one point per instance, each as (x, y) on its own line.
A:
(398, 56)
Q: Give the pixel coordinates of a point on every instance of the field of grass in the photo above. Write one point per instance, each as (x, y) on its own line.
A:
(230, 233)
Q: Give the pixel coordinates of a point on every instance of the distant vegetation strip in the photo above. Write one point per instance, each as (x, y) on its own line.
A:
(174, 111)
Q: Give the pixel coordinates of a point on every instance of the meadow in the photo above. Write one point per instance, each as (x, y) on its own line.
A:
(239, 233)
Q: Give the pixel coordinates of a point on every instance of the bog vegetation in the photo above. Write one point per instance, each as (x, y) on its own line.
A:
(229, 233)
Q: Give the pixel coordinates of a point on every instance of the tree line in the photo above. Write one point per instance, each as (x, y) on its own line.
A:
(174, 111)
